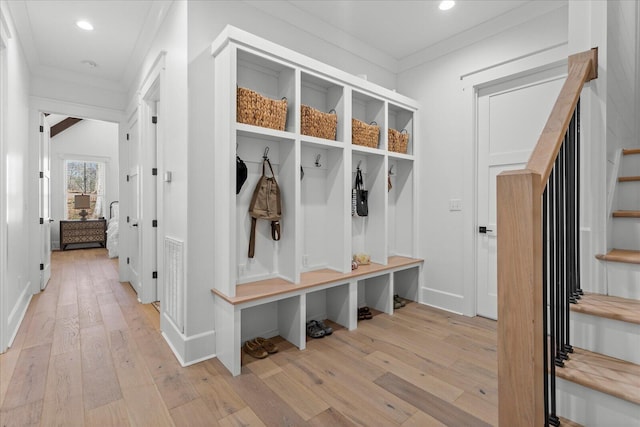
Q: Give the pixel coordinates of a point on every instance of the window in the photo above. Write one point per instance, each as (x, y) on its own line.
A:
(84, 177)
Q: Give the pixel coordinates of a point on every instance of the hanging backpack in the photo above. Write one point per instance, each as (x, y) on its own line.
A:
(265, 204)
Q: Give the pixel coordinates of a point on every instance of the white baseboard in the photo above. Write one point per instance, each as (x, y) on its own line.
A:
(189, 350)
(18, 312)
(443, 300)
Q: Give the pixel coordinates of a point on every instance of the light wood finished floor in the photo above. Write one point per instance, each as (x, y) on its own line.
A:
(89, 354)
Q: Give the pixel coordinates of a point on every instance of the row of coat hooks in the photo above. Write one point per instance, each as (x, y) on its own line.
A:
(391, 173)
(317, 163)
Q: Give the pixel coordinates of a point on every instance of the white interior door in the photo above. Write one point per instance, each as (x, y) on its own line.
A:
(45, 202)
(511, 116)
(134, 214)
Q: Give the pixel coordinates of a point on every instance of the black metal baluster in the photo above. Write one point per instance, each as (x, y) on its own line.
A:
(557, 248)
(570, 293)
(545, 308)
(578, 276)
(552, 290)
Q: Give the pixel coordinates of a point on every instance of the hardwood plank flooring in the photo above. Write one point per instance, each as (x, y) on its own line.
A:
(88, 354)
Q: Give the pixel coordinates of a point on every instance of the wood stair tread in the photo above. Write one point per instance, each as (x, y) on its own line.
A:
(606, 374)
(621, 255)
(626, 214)
(568, 423)
(616, 308)
(628, 178)
(630, 151)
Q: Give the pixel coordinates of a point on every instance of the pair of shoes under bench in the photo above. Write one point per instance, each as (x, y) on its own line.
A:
(318, 329)
(259, 347)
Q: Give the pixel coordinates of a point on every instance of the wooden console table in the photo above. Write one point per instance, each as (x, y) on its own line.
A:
(89, 231)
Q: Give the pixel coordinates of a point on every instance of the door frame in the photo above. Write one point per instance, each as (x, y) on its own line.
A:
(152, 91)
(553, 74)
(4, 36)
(471, 84)
(38, 106)
(45, 224)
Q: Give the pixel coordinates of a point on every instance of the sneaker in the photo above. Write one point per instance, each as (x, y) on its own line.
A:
(314, 330)
(328, 330)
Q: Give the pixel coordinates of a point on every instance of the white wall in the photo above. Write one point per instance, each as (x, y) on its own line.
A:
(14, 291)
(86, 140)
(171, 39)
(447, 160)
(622, 91)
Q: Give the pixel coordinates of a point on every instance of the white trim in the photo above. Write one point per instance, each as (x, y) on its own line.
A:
(4, 36)
(500, 24)
(443, 300)
(54, 106)
(65, 157)
(22, 315)
(151, 91)
(197, 348)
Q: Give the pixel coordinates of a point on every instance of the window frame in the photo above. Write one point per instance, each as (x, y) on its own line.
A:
(63, 176)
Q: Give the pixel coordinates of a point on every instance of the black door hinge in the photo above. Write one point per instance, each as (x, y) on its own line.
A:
(154, 223)
(154, 171)
(41, 174)
(154, 119)
(127, 177)
(41, 267)
(154, 275)
(127, 137)
(127, 260)
(41, 220)
(41, 128)
(127, 219)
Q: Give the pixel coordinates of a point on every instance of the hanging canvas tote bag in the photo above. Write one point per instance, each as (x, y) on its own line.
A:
(265, 204)
(361, 196)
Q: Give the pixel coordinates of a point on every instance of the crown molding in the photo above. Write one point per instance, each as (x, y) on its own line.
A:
(510, 19)
(327, 32)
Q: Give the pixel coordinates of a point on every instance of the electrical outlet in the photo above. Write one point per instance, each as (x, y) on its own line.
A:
(305, 260)
(242, 268)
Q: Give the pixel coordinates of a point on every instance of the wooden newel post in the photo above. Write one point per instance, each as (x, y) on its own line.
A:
(520, 313)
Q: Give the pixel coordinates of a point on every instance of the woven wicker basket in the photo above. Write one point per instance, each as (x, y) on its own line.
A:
(398, 140)
(255, 109)
(364, 134)
(318, 124)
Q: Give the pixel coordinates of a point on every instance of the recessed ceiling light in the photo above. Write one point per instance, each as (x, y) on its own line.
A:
(447, 4)
(85, 25)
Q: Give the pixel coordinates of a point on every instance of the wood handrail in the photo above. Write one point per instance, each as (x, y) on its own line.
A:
(583, 67)
(520, 289)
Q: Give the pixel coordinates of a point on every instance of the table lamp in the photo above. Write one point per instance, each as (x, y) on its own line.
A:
(82, 201)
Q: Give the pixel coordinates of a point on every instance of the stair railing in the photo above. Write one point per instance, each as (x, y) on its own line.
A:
(538, 259)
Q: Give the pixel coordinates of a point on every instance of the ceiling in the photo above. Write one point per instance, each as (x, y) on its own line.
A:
(401, 28)
(392, 30)
(53, 44)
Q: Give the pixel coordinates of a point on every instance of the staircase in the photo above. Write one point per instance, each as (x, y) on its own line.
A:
(600, 383)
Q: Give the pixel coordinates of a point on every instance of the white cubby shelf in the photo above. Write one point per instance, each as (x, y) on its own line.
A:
(307, 273)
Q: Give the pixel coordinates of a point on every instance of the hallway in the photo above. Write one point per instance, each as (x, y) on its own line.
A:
(88, 353)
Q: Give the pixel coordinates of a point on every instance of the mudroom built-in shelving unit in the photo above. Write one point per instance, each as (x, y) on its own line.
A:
(307, 274)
